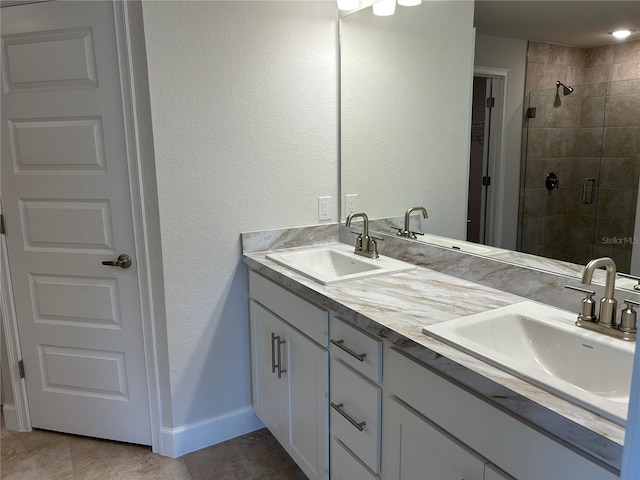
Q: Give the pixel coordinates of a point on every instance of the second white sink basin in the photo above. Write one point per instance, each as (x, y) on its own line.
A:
(455, 244)
(329, 264)
(543, 345)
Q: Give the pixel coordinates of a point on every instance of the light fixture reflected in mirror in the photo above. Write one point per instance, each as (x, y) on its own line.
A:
(384, 8)
(348, 4)
(621, 34)
(409, 3)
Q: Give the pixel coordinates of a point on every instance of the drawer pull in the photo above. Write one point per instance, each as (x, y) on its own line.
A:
(338, 408)
(340, 344)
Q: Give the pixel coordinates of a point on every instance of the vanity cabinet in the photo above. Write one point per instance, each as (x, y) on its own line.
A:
(346, 405)
(290, 373)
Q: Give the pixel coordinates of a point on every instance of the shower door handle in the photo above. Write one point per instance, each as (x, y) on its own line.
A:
(588, 194)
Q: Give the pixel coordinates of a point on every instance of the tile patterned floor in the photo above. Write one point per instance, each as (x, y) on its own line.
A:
(43, 455)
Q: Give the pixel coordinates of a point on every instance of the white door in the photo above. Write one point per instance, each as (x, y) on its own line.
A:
(67, 205)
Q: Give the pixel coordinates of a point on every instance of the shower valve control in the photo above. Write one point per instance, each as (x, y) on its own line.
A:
(551, 181)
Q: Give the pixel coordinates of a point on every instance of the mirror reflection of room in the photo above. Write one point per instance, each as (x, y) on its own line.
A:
(553, 140)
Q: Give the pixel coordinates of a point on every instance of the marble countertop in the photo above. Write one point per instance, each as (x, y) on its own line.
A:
(396, 307)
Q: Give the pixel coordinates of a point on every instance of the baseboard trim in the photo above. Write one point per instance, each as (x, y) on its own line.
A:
(10, 417)
(194, 436)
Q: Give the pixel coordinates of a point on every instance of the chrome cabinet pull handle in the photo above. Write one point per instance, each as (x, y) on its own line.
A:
(340, 344)
(123, 261)
(279, 344)
(273, 354)
(338, 408)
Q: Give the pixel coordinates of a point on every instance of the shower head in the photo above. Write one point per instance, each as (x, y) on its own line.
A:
(565, 89)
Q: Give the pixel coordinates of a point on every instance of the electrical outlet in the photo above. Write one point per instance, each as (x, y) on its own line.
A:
(351, 203)
(323, 208)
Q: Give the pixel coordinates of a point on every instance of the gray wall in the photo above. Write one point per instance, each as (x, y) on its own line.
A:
(509, 54)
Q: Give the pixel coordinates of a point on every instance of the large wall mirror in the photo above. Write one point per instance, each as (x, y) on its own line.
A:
(559, 181)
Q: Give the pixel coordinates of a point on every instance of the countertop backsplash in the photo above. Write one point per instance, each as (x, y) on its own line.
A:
(532, 283)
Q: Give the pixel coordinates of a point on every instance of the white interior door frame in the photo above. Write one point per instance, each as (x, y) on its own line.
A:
(497, 149)
(12, 341)
(128, 21)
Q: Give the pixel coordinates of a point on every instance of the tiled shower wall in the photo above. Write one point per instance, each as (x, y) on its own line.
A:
(592, 133)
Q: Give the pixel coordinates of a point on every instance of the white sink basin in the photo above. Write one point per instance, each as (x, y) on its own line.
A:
(542, 345)
(460, 245)
(329, 264)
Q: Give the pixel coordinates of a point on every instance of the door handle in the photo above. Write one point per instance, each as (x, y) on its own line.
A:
(123, 261)
(588, 197)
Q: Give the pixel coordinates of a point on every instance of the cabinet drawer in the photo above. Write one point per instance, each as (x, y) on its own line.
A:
(345, 466)
(356, 348)
(306, 317)
(360, 400)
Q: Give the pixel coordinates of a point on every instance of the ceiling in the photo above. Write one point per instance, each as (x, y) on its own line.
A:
(578, 23)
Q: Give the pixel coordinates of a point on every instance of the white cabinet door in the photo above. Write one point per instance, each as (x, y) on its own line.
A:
(264, 328)
(290, 389)
(416, 450)
(307, 391)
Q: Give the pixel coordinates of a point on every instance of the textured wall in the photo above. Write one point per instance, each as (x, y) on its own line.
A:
(244, 108)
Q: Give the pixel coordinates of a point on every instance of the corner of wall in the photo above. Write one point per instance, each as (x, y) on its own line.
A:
(195, 436)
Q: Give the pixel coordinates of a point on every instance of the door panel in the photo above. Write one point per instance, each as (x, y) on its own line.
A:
(67, 205)
(265, 380)
(63, 145)
(49, 59)
(307, 387)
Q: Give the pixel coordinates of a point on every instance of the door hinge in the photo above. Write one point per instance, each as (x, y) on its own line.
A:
(531, 112)
(491, 102)
(2, 230)
(486, 181)
(21, 368)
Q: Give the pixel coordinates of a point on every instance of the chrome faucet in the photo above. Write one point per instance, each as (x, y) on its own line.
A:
(365, 245)
(406, 232)
(608, 304)
(605, 322)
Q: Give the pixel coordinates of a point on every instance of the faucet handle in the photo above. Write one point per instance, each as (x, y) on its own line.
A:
(589, 293)
(373, 246)
(629, 317)
(632, 277)
(588, 309)
(408, 233)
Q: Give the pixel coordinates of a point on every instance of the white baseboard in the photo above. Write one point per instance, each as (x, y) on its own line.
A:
(10, 417)
(194, 436)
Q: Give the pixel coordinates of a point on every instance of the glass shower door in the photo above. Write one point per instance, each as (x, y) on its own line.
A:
(559, 190)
